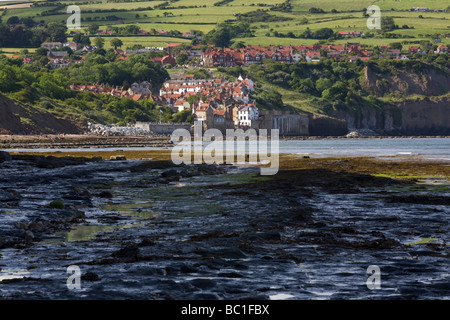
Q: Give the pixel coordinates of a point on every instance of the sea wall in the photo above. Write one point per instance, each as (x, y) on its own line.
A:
(162, 128)
(288, 124)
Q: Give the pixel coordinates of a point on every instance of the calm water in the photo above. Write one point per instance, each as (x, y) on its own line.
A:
(426, 147)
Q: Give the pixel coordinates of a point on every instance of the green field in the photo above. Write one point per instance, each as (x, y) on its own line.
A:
(155, 41)
(188, 15)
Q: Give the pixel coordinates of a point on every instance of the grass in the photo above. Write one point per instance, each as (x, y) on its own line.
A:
(359, 5)
(145, 41)
(15, 51)
(206, 16)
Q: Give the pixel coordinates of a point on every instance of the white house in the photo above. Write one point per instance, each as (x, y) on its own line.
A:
(248, 114)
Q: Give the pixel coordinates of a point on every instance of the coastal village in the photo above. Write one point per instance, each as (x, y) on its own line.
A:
(224, 104)
(220, 103)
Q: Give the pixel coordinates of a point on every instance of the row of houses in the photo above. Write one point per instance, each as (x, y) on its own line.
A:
(222, 104)
(229, 57)
(137, 91)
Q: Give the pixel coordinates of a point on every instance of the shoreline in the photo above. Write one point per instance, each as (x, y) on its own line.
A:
(73, 141)
(413, 168)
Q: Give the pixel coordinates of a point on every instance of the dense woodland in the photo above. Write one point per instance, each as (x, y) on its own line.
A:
(41, 87)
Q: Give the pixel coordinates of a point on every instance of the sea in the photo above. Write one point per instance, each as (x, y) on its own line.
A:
(427, 148)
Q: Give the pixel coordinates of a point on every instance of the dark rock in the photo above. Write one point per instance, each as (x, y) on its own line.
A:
(5, 156)
(149, 165)
(203, 283)
(90, 276)
(186, 268)
(105, 194)
(170, 173)
(230, 275)
(36, 226)
(206, 296)
(52, 162)
(230, 253)
(26, 157)
(271, 235)
(146, 242)
(128, 253)
(83, 192)
(210, 169)
(9, 196)
(421, 199)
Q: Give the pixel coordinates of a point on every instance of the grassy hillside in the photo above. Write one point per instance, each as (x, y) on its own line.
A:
(188, 15)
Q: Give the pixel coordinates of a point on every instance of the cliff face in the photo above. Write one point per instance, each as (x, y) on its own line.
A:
(17, 118)
(426, 116)
(430, 82)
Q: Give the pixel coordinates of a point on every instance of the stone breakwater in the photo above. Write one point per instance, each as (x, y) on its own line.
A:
(114, 130)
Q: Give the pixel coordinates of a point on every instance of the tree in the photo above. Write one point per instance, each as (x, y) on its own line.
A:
(316, 10)
(40, 52)
(110, 55)
(54, 85)
(99, 42)
(387, 23)
(193, 99)
(82, 39)
(28, 22)
(220, 37)
(93, 28)
(57, 32)
(307, 34)
(181, 58)
(239, 45)
(396, 45)
(323, 33)
(116, 43)
(13, 20)
(8, 77)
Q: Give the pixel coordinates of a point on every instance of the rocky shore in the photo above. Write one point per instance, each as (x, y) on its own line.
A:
(81, 141)
(153, 230)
